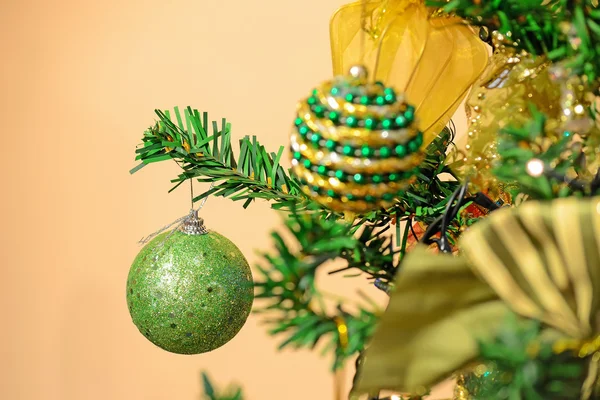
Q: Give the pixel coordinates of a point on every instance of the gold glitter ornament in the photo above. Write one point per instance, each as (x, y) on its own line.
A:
(460, 391)
(512, 81)
(355, 145)
(575, 101)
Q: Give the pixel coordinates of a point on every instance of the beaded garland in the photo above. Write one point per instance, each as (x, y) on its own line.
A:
(355, 145)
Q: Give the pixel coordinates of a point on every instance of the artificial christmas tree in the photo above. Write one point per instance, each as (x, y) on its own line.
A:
(502, 288)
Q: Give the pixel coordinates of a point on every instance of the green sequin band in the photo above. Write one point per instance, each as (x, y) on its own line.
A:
(386, 96)
(399, 121)
(317, 141)
(352, 178)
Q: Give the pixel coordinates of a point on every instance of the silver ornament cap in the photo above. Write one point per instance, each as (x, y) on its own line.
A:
(193, 225)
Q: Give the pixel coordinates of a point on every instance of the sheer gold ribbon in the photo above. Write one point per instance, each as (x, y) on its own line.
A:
(540, 260)
(435, 60)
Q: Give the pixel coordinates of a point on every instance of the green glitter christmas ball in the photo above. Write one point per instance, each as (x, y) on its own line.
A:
(189, 294)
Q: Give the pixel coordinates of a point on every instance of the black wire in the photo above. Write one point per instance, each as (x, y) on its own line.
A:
(357, 365)
(412, 230)
(574, 184)
(456, 202)
(459, 198)
(440, 225)
(451, 213)
(452, 129)
(485, 202)
(595, 184)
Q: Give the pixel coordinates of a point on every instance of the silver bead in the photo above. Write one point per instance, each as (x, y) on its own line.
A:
(358, 72)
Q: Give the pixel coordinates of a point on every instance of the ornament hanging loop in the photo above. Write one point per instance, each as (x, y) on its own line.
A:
(189, 224)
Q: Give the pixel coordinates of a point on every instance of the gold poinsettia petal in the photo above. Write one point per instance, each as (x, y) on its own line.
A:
(438, 311)
(540, 260)
(543, 260)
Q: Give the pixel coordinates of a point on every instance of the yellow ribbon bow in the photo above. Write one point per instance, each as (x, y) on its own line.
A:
(434, 59)
(540, 260)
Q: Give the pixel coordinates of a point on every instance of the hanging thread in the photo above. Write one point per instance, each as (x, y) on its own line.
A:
(191, 216)
(363, 22)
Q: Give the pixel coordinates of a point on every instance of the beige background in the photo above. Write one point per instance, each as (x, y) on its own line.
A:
(79, 83)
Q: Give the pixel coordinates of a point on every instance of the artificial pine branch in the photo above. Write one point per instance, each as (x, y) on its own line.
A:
(562, 30)
(426, 199)
(294, 304)
(253, 174)
(210, 393)
(523, 365)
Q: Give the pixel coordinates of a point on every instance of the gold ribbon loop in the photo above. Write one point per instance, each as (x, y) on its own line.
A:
(435, 60)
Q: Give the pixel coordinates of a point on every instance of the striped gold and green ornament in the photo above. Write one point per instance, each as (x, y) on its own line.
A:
(355, 144)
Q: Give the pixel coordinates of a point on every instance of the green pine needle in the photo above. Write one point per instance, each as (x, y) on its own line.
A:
(210, 393)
